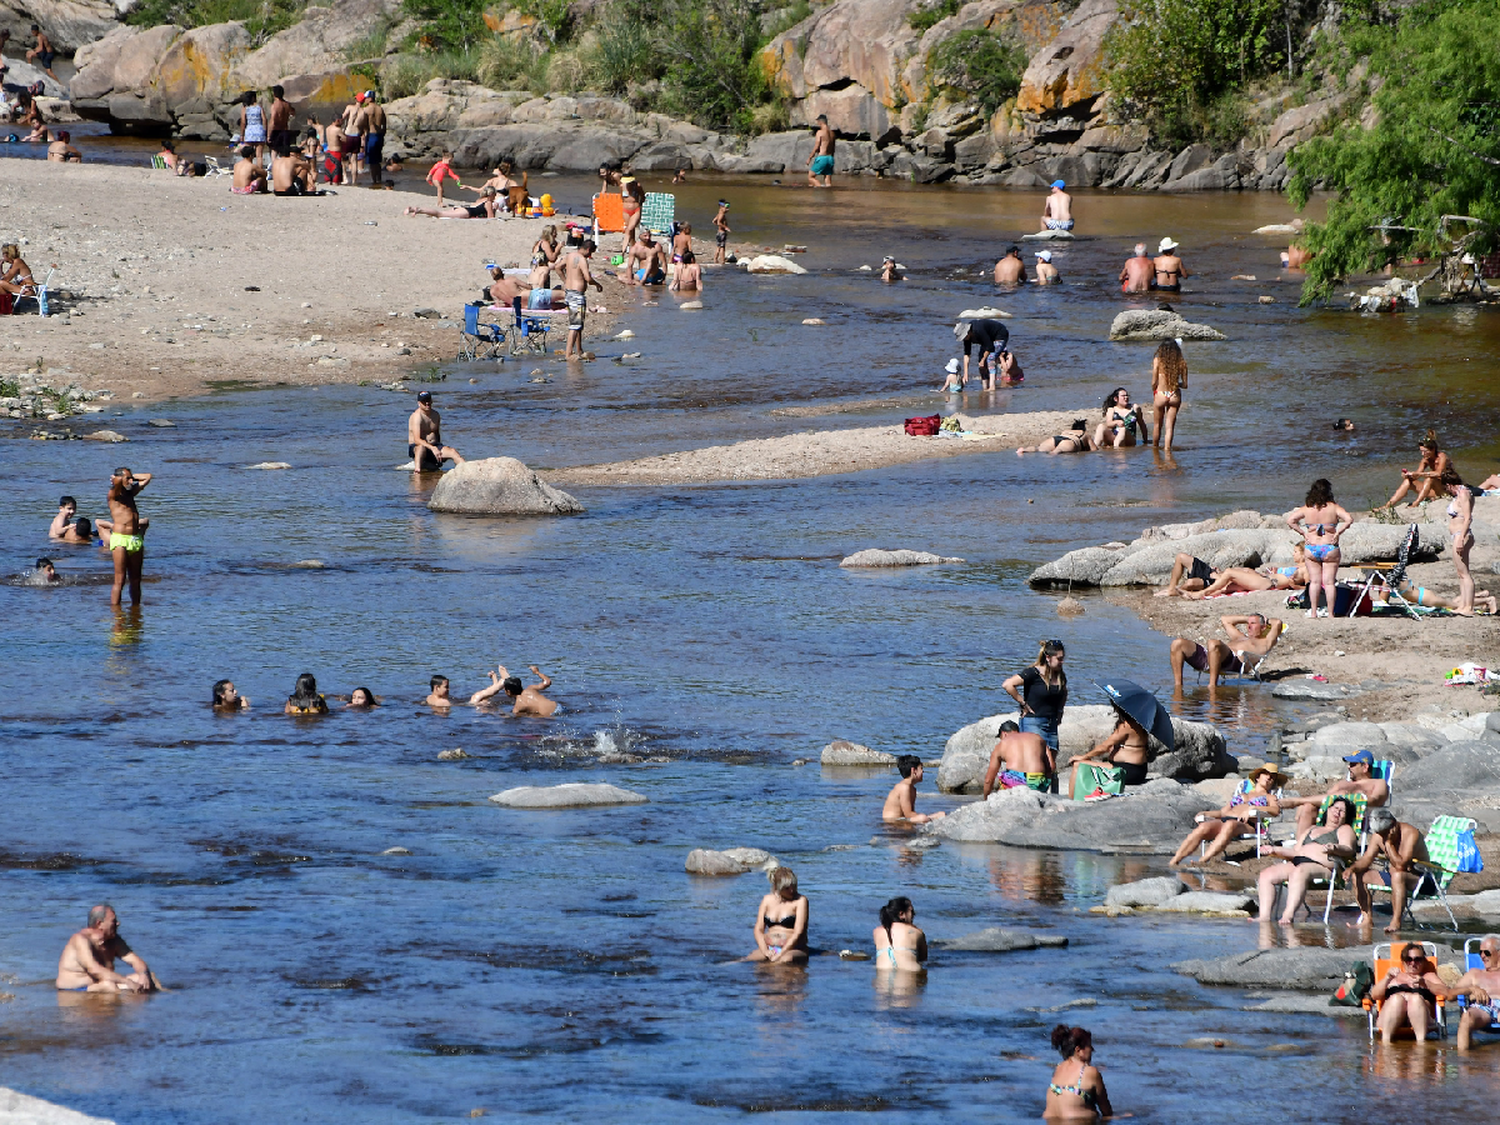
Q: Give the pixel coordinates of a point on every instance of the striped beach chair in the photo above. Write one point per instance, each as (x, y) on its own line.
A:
(1435, 873)
(659, 212)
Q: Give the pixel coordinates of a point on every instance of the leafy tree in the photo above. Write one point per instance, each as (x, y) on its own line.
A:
(711, 75)
(1433, 150)
(981, 65)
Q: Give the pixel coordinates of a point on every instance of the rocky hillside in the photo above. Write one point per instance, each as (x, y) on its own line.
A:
(868, 65)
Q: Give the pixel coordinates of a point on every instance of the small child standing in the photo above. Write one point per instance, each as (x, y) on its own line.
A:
(443, 170)
(954, 384)
(721, 231)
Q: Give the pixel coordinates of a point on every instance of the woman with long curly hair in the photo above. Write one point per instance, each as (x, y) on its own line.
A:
(1168, 381)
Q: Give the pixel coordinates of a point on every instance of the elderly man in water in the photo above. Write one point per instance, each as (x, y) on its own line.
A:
(1139, 272)
(88, 960)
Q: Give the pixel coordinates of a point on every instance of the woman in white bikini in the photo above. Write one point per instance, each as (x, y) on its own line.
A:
(1168, 380)
(15, 274)
(1320, 521)
(781, 922)
(1461, 528)
(898, 943)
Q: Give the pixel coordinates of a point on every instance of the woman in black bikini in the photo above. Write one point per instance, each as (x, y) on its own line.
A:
(1169, 268)
(781, 922)
(1407, 994)
(1075, 442)
(1308, 859)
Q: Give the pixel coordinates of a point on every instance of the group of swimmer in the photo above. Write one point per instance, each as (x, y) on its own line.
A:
(306, 699)
(125, 528)
(1121, 420)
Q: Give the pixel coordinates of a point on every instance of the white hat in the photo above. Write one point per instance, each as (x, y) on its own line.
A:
(1044, 255)
(952, 368)
(1166, 244)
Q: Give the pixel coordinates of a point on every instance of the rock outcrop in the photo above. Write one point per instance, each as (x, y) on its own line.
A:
(499, 486)
(1308, 969)
(996, 939)
(842, 753)
(731, 861)
(571, 795)
(69, 24)
(1157, 325)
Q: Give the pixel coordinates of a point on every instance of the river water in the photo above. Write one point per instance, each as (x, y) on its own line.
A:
(557, 966)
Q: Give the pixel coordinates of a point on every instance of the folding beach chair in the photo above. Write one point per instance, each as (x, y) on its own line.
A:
(1262, 822)
(530, 331)
(1435, 874)
(1384, 963)
(479, 341)
(40, 296)
(1391, 575)
(1472, 960)
(1093, 778)
(609, 214)
(658, 212)
(159, 162)
(215, 168)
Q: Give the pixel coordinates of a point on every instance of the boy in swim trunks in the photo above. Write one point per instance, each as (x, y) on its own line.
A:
(127, 537)
(576, 280)
(901, 801)
(43, 53)
(820, 163)
(1057, 212)
(1251, 639)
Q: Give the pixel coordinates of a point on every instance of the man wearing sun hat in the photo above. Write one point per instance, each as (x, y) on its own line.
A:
(1046, 272)
(1057, 212)
(1169, 267)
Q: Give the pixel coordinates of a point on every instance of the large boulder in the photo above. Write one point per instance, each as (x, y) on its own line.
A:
(22, 1109)
(94, 76)
(731, 861)
(773, 263)
(1306, 968)
(1151, 564)
(1299, 124)
(319, 42)
(1156, 325)
(70, 24)
(995, 939)
(1209, 902)
(572, 795)
(842, 753)
(499, 486)
(1150, 818)
(1069, 71)
(195, 68)
(1144, 892)
(862, 41)
(1369, 541)
(1086, 566)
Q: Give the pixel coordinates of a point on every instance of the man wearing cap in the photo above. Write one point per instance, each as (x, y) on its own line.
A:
(1010, 270)
(1252, 636)
(424, 438)
(1139, 271)
(889, 271)
(990, 337)
(1400, 843)
(1168, 267)
(1057, 212)
(1361, 780)
(1046, 272)
(372, 125)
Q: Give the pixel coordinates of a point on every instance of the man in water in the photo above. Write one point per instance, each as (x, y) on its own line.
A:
(1361, 779)
(646, 263)
(990, 337)
(1025, 757)
(1399, 844)
(279, 121)
(901, 801)
(45, 572)
(1126, 749)
(88, 960)
(1010, 270)
(820, 163)
(1139, 272)
(1057, 212)
(424, 442)
(889, 270)
(528, 700)
(1482, 987)
(1251, 639)
(576, 280)
(127, 537)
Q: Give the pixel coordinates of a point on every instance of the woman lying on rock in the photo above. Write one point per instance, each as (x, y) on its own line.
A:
(1236, 819)
(898, 943)
(1310, 858)
(1242, 579)
(781, 922)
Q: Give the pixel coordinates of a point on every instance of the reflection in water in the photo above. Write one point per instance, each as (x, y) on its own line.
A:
(780, 991)
(898, 988)
(1410, 1062)
(1029, 876)
(126, 630)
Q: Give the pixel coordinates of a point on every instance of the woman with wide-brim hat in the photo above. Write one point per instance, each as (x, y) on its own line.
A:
(1237, 818)
(1169, 268)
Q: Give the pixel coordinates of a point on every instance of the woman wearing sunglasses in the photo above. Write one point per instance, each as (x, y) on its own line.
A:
(1408, 993)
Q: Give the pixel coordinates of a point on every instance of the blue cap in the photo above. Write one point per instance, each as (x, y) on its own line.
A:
(1363, 756)
(1058, 183)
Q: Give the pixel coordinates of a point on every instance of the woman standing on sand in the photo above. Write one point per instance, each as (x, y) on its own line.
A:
(253, 125)
(1042, 692)
(1076, 1092)
(1433, 465)
(1461, 528)
(1320, 521)
(781, 922)
(1168, 381)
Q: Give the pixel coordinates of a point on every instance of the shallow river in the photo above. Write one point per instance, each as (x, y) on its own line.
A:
(557, 966)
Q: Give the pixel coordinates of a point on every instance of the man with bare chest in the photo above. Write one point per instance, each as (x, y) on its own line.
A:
(127, 537)
(424, 440)
(88, 960)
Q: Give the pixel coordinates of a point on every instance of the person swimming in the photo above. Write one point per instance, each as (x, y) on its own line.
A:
(899, 944)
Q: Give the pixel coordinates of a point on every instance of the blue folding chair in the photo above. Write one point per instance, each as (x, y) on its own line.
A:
(1472, 960)
(480, 341)
(530, 334)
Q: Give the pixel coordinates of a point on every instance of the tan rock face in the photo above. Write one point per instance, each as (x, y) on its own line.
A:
(1070, 69)
(864, 40)
(139, 55)
(72, 24)
(198, 64)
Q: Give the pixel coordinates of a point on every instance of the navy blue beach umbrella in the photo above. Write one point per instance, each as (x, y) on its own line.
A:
(1143, 707)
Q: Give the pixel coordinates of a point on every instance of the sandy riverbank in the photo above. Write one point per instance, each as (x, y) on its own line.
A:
(822, 452)
(161, 270)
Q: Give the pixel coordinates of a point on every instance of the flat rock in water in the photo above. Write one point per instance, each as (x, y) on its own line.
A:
(1149, 820)
(270, 465)
(1048, 236)
(105, 435)
(1308, 689)
(1278, 228)
(162, 423)
(22, 1109)
(1207, 902)
(997, 940)
(731, 861)
(1144, 892)
(1155, 325)
(773, 263)
(876, 557)
(691, 305)
(1307, 969)
(842, 753)
(499, 486)
(570, 795)
(396, 851)
(1310, 1005)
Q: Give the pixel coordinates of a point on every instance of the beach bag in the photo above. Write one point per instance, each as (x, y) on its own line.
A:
(1343, 598)
(7, 304)
(1092, 778)
(1468, 860)
(1356, 986)
(924, 427)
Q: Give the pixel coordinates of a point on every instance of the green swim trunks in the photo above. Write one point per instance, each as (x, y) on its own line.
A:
(822, 166)
(133, 544)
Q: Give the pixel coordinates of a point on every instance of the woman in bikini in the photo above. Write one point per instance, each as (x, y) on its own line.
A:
(15, 274)
(633, 196)
(1320, 521)
(781, 922)
(1169, 268)
(898, 943)
(1076, 1092)
(1408, 993)
(1424, 477)
(1235, 819)
(305, 698)
(1168, 380)
(545, 252)
(1461, 528)
(1121, 421)
(484, 209)
(1310, 858)
(1242, 579)
(1077, 441)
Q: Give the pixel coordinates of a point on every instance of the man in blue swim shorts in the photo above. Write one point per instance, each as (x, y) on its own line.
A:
(1057, 212)
(646, 263)
(820, 163)
(88, 960)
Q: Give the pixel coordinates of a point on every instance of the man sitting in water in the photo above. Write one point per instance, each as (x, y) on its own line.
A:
(527, 701)
(1242, 579)
(1189, 572)
(1021, 758)
(1139, 272)
(1251, 639)
(438, 695)
(424, 441)
(1010, 270)
(646, 263)
(1126, 749)
(249, 176)
(44, 572)
(901, 801)
(1057, 212)
(88, 960)
(1361, 780)
(1482, 987)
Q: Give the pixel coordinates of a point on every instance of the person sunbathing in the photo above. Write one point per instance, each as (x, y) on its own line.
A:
(1252, 636)
(1236, 819)
(1362, 779)
(1424, 477)
(1189, 572)
(484, 209)
(1422, 596)
(1076, 440)
(1407, 994)
(1310, 858)
(1242, 579)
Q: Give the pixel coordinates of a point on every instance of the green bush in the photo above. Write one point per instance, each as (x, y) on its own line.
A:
(406, 74)
(624, 52)
(262, 18)
(510, 62)
(980, 65)
(447, 25)
(783, 19)
(927, 16)
(553, 16)
(712, 76)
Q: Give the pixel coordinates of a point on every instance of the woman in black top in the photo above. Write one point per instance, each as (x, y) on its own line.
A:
(1042, 692)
